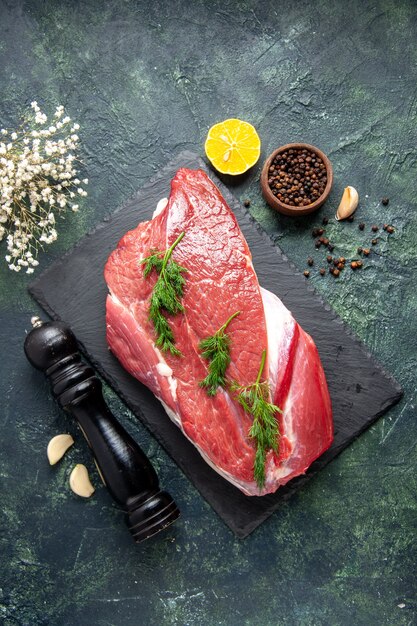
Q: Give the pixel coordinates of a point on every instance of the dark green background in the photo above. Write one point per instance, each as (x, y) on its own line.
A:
(146, 80)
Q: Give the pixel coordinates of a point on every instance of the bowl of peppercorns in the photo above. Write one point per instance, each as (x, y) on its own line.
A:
(296, 179)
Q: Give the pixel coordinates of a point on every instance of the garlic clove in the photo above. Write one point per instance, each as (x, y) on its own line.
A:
(79, 481)
(57, 447)
(348, 203)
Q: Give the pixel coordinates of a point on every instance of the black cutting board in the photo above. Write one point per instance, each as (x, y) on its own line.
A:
(73, 289)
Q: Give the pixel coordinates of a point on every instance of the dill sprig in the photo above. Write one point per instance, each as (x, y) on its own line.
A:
(166, 294)
(264, 430)
(216, 350)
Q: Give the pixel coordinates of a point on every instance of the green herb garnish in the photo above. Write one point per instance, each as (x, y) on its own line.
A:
(216, 350)
(264, 430)
(166, 294)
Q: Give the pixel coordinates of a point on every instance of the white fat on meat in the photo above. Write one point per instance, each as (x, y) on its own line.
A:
(279, 323)
(160, 207)
(163, 369)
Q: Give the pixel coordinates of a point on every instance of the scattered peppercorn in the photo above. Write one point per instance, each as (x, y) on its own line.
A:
(385, 201)
(374, 242)
(385, 226)
(330, 247)
(390, 229)
(325, 220)
(317, 243)
(340, 266)
(366, 251)
(246, 203)
(359, 263)
(374, 228)
(361, 226)
(354, 265)
(322, 271)
(336, 272)
(306, 273)
(360, 250)
(297, 177)
(315, 232)
(310, 261)
(342, 259)
(329, 258)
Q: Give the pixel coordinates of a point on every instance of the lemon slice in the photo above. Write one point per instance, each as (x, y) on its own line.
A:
(232, 146)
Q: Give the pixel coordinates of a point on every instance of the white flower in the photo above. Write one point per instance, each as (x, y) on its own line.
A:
(37, 172)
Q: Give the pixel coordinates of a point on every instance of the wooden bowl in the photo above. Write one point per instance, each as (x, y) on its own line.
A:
(288, 209)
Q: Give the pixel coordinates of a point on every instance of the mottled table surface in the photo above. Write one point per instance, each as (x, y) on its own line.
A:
(145, 80)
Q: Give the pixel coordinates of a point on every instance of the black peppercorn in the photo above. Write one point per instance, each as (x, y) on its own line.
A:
(374, 242)
(325, 221)
(361, 226)
(310, 261)
(385, 201)
(374, 228)
(306, 273)
(390, 229)
(246, 203)
(301, 181)
(322, 271)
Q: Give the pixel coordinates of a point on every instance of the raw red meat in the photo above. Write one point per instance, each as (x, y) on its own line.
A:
(220, 281)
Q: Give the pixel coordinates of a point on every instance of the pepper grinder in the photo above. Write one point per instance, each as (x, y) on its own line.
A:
(124, 468)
